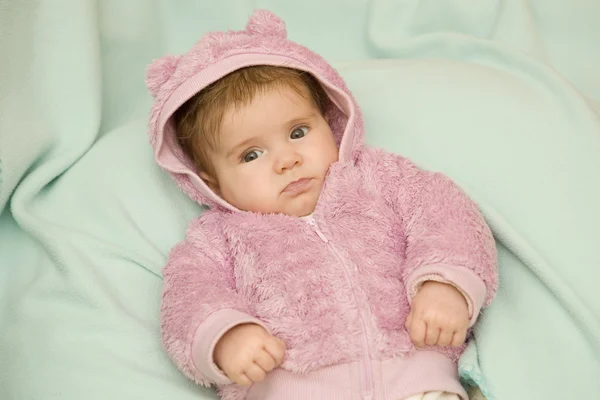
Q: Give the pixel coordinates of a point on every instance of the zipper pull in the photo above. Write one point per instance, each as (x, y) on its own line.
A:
(313, 223)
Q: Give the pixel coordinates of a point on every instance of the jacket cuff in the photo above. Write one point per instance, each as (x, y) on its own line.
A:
(462, 278)
(208, 334)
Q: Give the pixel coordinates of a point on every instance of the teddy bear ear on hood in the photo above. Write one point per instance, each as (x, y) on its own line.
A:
(159, 72)
(265, 23)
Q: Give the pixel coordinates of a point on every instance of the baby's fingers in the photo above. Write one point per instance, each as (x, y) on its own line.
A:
(265, 361)
(241, 379)
(255, 373)
(408, 322)
(276, 348)
(432, 335)
(446, 336)
(459, 337)
(417, 331)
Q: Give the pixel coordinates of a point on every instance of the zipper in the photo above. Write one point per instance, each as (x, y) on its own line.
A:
(367, 366)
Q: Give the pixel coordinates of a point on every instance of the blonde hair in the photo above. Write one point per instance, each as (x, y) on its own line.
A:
(198, 120)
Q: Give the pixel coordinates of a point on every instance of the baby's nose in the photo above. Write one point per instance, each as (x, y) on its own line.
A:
(288, 160)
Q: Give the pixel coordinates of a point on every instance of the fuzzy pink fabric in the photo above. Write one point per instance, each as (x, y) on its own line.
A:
(388, 225)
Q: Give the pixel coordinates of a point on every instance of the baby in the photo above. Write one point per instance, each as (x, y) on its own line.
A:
(323, 269)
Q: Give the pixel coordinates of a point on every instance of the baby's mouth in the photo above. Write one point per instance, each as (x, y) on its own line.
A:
(298, 186)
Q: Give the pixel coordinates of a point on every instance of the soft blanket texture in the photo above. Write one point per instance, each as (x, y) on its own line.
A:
(503, 96)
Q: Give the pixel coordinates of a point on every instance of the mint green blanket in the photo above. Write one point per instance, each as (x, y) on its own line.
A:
(503, 96)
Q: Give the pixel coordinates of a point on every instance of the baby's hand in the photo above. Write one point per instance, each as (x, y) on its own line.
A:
(247, 352)
(439, 316)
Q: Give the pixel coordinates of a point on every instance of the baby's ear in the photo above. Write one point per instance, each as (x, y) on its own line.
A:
(159, 72)
(210, 182)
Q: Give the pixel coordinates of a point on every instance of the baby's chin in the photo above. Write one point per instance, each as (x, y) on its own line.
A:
(302, 209)
(299, 207)
(303, 213)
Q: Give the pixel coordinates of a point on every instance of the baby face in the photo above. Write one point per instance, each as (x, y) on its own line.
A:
(274, 154)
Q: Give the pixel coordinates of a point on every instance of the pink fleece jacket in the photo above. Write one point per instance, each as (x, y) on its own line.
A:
(335, 286)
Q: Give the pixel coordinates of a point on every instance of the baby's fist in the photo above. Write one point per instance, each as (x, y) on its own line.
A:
(247, 352)
(439, 316)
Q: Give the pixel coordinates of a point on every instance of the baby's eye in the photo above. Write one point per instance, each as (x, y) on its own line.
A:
(299, 132)
(252, 155)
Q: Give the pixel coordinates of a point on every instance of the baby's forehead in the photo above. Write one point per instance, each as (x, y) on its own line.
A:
(269, 106)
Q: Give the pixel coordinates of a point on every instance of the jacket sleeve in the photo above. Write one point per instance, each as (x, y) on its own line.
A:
(199, 302)
(446, 237)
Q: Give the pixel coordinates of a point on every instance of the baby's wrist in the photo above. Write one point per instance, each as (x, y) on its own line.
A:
(440, 284)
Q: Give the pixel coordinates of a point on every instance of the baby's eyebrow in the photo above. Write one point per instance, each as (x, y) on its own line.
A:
(237, 147)
(303, 118)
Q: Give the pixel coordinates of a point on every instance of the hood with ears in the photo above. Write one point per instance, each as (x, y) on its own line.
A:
(172, 80)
